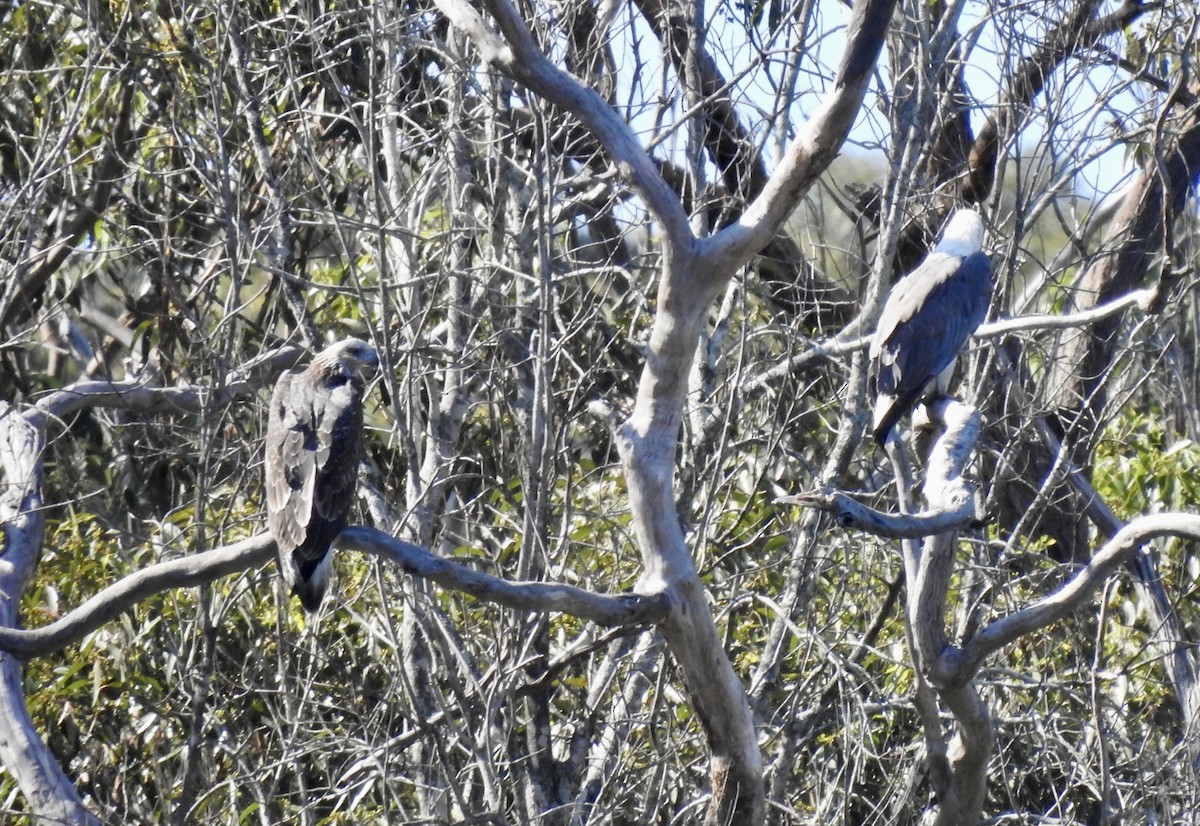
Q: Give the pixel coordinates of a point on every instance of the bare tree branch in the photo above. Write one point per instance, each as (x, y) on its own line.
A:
(141, 395)
(815, 146)
(1082, 318)
(692, 274)
(31, 275)
(1079, 31)
(197, 569)
(957, 666)
(541, 597)
(957, 769)
(782, 265)
(850, 513)
(513, 51)
(109, 603)
(1134, 238)
(51, 794)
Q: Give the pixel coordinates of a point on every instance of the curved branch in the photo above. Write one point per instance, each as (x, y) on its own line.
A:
(928, 569)
(850, 513)
(208, 566)
(141, 395)
(513, 51)
(817, 143)
(952, 453)
(956, 666)
(541, 597)
(957, 769)
(119, 597)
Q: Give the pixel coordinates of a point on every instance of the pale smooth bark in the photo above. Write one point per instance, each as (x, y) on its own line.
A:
(197, 569)
(693, 272)
(956, 666)
(112, 601)
(51, 795)
(958, 767)
(850, 513)
(945, 671)
(50, 792)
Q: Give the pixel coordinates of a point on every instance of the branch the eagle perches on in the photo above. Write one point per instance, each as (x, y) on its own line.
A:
(944, 668)
(23, 438)
(208, 566)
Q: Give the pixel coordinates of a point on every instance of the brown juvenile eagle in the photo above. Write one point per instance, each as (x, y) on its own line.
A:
(314, 444)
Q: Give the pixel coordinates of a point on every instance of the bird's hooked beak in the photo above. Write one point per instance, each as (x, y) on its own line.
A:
(368, 365)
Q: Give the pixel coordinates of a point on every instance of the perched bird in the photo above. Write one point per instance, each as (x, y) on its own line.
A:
(314, 444)
(927, 319)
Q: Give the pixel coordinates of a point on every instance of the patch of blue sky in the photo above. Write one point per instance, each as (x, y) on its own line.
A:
(1078, 125)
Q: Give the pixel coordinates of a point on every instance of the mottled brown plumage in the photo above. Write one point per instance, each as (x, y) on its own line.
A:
(314, 445)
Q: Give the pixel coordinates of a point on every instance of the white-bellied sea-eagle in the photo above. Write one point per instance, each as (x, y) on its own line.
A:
(314, 445)
(927, 319)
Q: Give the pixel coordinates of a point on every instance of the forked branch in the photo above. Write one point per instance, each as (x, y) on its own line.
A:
(956, 666)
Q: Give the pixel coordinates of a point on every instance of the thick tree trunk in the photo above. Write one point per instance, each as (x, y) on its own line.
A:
(959, 776)
(1132, 243)
(51, 795)
(693, 272)
(648, 441)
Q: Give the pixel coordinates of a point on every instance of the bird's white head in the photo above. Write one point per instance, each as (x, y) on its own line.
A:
(963, 236)
(352, 354)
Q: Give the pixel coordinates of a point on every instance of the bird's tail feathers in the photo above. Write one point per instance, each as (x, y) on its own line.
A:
(311, 593)
(309, 579)
(888, 410)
